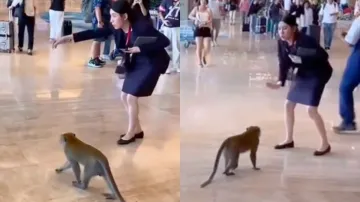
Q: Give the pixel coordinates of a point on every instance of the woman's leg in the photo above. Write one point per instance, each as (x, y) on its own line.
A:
(60, 21)
(199, 49)
(216, 30)
(206, 50)
(133, 114)
(123, 97)
(232, 17)
(53, 25)
(319, 122)
(289, 121)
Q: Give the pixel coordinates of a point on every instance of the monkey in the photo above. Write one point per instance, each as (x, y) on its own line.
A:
(94, 161)
(232, 147)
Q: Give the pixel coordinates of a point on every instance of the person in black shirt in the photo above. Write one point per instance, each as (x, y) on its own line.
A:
(311, 72)
(56, 14)
(255, 7)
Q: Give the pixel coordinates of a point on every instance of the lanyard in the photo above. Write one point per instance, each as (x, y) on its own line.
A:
(128, 36)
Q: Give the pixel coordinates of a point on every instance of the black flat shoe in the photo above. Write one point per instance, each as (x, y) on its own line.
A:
(139, 135)
(321, 153)
(124, 142)
(285, 146)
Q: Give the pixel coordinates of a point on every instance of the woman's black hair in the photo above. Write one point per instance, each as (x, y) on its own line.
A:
(290, 20)
(124, 7)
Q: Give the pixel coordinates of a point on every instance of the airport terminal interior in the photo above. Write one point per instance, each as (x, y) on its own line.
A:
(185, 121)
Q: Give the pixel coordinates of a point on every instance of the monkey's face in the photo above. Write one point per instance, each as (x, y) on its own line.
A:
(65, 137)
(254, 129)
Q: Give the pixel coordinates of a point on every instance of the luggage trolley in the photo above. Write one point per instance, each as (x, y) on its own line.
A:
(187, 29)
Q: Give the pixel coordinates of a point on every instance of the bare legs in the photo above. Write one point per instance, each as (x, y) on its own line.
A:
(95, 49)
(289, 121)
(313, 114)
(319, 123)
(199, 50)
(203, 50)
(131, 105)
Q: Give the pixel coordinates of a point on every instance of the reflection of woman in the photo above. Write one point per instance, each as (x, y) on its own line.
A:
(299, 51)
(202, 16)
(144, 63)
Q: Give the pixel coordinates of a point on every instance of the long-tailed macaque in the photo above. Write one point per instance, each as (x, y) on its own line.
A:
(95, 164)
(232, 147)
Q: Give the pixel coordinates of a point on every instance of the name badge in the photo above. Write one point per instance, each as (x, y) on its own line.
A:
(295, 59)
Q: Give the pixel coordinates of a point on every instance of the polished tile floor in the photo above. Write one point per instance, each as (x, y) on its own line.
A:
(229, 95)
(54, 92)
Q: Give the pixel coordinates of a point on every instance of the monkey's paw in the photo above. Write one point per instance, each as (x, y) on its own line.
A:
(256, 168)
(109, 196)
(58, 170)
(229, 173)
(78, 185)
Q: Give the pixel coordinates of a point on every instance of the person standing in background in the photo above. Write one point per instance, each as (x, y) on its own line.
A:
(316, 9)
(255, 7)
(101, 19)
(287, 6)
(56, 14)
(232, 11)
(328, 14)
(169, 14)
(26, 19)
(350, 80)
(215, 6)
(275, 17)
(357, 8)
(307, 18)
(244, 9)
(202, 17)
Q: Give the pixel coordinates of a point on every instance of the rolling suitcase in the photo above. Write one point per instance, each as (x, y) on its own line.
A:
(314, 31)
(7, 38)
(246, 24)
(67, 27)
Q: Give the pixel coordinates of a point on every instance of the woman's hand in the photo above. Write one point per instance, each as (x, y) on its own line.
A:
(134, 49)
(62, 40)
(137, 2)
(273, 85)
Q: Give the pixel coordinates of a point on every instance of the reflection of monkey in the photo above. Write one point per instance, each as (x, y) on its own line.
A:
(95, 164)
(233, 146)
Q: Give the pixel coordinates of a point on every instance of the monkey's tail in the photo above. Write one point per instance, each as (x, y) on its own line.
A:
(218, 155)
(110, 180)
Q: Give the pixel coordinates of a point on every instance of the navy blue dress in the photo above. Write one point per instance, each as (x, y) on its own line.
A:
(145, 68)
(312, 73)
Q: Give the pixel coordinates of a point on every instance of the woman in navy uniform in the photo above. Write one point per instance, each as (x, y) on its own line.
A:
(144, 63)
(312, 71)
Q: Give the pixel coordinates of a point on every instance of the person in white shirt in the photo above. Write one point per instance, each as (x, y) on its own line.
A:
(350, 80)
(215, 6)
(328, 15)
(287, 6)
(26, 19)
(357, 8)
(307, 18)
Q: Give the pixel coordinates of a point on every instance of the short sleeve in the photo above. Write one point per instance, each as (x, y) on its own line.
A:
(321, 12)
(98, 3)
(353, 35)
(162, 7)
